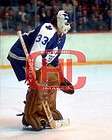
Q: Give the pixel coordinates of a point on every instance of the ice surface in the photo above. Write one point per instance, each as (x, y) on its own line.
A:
(89, 109)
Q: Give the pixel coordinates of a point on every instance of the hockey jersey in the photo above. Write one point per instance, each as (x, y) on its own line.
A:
(43, 38)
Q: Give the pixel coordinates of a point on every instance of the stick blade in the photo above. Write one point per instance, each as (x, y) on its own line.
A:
(62, 123)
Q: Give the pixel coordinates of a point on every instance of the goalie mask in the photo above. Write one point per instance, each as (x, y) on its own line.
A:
(63, 22)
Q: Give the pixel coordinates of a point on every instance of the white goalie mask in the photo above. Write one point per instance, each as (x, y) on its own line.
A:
(62, 22)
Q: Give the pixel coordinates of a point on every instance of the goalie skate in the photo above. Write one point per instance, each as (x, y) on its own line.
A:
(59, 124)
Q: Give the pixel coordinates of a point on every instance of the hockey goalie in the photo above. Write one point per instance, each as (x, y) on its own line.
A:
(45, 38)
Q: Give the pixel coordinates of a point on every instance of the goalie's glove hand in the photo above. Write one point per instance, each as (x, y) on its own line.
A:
(66, 86)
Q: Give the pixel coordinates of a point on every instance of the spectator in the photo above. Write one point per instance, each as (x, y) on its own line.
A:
(9, 22)
(1, 26)
(101, 24)
(84, 14)
(108, 20)
(94, 23)
(68, 6)
(43, 14)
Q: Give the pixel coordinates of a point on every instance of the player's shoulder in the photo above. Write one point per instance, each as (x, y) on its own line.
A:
(47, 29)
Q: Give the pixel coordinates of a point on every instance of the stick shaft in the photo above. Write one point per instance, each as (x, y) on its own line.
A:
(48, 112)
(23, 43)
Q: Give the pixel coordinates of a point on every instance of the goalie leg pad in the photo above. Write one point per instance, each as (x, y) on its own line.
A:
(33, 112)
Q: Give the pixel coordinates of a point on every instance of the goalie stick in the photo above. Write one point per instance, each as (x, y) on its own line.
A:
(52, 122)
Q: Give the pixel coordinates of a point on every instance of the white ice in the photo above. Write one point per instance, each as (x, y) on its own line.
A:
(89, 109)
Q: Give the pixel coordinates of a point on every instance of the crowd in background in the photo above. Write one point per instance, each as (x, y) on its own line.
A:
(85, 15)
